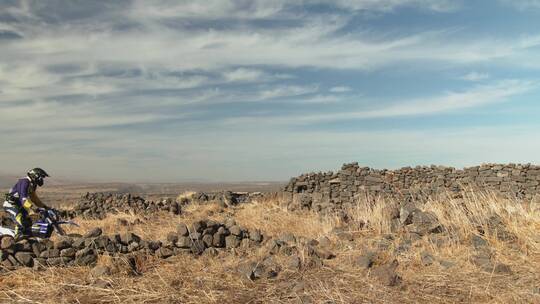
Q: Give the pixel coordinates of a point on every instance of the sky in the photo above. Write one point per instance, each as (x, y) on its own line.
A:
(224, 90)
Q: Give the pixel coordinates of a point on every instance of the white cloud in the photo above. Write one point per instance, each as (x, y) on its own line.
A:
(260, 9)
(452, 101)
(286, 91)
(244, 75)
(340, 89)
(475, 76)
(448, 102)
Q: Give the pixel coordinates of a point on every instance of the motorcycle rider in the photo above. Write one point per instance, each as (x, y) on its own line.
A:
(22, 200)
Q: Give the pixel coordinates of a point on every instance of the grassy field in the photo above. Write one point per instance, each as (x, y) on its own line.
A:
(451, 277)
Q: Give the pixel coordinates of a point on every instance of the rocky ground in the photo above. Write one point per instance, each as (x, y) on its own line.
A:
(228, 249)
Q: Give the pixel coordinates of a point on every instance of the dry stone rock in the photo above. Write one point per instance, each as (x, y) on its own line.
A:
(68, 252)
(366, 260)
(208, 240)
(93, 233)
(386, 274)
(426, 258)
(198, 226)
(255, 235)
(7, 242)
(184, 242)
(129, 237)
(232, 241)
(235, 230)
(58, 261)
(25, 258)
(424, 223)
(293, 262)
(63, 243)
(164, 252)
(197, 247)
(218, 240)
(182, 229)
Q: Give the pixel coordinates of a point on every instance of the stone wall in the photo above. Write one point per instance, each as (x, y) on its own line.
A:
(98, 205)
(334, 190)
(200, 237)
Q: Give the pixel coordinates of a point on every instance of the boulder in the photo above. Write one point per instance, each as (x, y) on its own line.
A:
(68, 252)
(424, 223)
(386, 274)
(232, 241)
(229, 223)
(182, 229)
(197, 247)
(129, 237)
(85, 257)
(172, 237)
(255, 235)
(208, 240)
(198, 226)
(7, 242)
(406, 211)
(426, 258)
(25, 258)
(293, 262)
(23, 245)
(164, 252)
(58, 261)
(63, 243)
(95, 232)
(366, 259)
(236, 230)
(37, 248)
(184, 242)
(50, 253)
(218, 240)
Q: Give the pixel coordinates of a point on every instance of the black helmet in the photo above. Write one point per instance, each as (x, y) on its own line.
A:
(37, 175)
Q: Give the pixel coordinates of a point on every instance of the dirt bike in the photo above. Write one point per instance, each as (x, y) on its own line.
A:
(49, 221)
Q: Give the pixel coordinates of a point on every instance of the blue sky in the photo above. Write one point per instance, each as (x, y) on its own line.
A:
(228, 90)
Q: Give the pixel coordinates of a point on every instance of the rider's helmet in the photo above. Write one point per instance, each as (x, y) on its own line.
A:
(37, 175)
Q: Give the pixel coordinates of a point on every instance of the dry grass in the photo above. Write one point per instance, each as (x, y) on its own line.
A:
(186, 279)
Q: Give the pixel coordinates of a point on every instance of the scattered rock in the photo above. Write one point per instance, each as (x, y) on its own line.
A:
(366, 260)
(129, 237)
(255, 235)
(184, 242)
(7, 242)
(478, 242)
(293, 262)
(182, 229)
(164, 252)
(232, 241)
(426, 258)
(63, 243)
(197, 247)
(25, 258)
(93, 233)
(386, 274)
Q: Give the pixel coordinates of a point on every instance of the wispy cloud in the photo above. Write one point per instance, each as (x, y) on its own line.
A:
(340, 89)
(475, 76)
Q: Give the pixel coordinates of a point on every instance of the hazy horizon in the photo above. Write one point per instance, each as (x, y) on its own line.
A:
(224, 90)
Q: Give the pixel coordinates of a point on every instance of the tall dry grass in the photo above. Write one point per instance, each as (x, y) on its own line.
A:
(187, 279)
